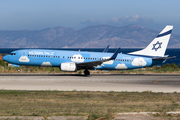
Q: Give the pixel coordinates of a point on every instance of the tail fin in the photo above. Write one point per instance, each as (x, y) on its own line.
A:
(158, 46)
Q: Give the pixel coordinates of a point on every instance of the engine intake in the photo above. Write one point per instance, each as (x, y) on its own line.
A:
(70, 67)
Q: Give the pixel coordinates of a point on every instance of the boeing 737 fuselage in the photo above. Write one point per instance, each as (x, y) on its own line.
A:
(153, 54)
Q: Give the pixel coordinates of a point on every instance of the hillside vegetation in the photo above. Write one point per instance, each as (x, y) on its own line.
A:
(89, 37)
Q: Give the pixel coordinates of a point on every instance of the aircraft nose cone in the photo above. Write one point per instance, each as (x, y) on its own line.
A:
(5, 58)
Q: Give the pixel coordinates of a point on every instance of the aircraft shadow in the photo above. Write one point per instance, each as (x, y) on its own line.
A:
(82, 75)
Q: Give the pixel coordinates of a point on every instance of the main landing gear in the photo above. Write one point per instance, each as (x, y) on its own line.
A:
(19, 70)
(86, 72)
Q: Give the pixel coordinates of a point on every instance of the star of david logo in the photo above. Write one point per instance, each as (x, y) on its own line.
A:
(156, 46)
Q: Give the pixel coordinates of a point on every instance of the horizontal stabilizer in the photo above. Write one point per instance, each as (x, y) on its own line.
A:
(163, 58)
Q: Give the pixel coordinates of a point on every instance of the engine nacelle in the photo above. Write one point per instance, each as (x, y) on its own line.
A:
(71, 67)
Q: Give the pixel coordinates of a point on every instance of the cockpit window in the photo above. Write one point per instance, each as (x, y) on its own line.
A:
(13, 53)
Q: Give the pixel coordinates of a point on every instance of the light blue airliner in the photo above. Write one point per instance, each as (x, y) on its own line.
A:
(153, 54)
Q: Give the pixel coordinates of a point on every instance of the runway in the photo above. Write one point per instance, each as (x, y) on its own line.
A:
(94, 82)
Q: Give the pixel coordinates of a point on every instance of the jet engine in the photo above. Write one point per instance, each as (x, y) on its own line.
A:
(70, 67)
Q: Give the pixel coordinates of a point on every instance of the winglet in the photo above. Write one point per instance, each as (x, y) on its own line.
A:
(106, 49)
(115, 54)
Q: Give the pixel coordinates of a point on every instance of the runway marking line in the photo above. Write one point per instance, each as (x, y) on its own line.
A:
(155, 82)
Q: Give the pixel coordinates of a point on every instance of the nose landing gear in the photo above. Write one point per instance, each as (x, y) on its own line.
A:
(86, 72)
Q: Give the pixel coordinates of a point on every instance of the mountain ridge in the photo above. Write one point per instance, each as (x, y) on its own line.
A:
(130, 36)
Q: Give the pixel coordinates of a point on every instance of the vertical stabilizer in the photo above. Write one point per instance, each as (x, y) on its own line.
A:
(158, 46)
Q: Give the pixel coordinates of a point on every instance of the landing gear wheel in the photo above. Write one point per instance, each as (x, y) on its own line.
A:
(86, 72)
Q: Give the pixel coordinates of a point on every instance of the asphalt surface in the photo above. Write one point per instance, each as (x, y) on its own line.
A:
(94, 82)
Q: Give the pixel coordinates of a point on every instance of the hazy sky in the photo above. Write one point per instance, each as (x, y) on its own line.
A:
(40, 14)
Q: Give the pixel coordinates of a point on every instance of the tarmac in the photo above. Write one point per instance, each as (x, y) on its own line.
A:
(95, 82)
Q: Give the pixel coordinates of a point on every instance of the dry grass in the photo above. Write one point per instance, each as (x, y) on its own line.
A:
(92, 104)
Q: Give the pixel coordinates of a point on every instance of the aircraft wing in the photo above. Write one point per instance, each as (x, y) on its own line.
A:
(99, 62)
(106, 49)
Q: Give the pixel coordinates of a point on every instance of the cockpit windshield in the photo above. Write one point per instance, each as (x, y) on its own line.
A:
(13, 53)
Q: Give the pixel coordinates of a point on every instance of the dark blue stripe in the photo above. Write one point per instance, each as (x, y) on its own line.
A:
(144, 56)
(166, 33)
